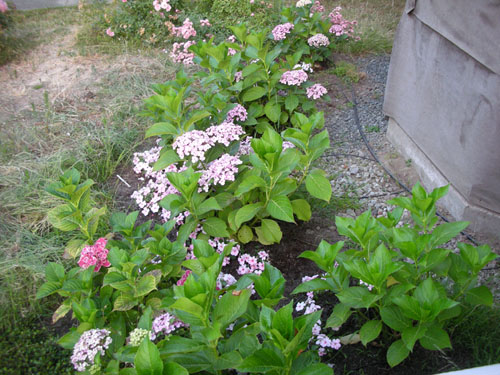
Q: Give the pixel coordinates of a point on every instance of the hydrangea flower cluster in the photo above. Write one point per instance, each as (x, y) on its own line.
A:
(165, 324)
(320, 339)
(239, 113)
(180, 52)
(316, 91)
(185, 31)
(238, 76)
(205, 23)
(91, 343)
(219, 172)
(306, 67)
(294, 77)
(3, 6)
(318, 40)
(194, 143)
(252, 264)
(317, 7)
(183, 278)
(225, 280)
(137, 335)
(303, 3)
(158, 186)
(340, 26)
(280, 32)
(162, 4)
(227, 132)
(95, 255)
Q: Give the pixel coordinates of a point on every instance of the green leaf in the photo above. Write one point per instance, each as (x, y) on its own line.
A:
(269, 231)
(446, 231)
(207, 205)
(291, 102)
(280, 208)
(245, 234)
(263, 360)
(370, 331)
(311, 286)
(60, 218)
(247, 213)
(54, 272)
(410, 335)
(147, 360)
(273, 111)
(435, 338)
(73, 248)
(397, 353)
(394, 318)
(231, 306)
(250, 183)
(172, 368)
(254, 93)
(47, 289)
(161, 128)
(146, 285)
(124, 303)
(69, 340)
(316, 369)
(215, 227)
(301, 209)
(166, 158)
(318, 185)
(339, 315)
(358, 297)
(479, 296)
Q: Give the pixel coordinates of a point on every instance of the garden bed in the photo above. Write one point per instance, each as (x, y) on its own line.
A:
(59, 106)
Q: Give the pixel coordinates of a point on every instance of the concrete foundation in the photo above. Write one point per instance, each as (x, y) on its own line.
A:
(482, 220)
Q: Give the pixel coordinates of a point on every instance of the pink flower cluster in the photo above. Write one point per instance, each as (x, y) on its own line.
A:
(158, 186)
(205, 23)
(316, 91)
(95, 255)
(294, 77)
(340, 26)
(180, 52)
(219, 172)
(239, 113)
(320, 339)
(280, 32)
(226, 132)
(225, 280)
(89, 344)
(162, 4)
(317, 7)
(110, 32)
(238, 76)
(185, 31)
(318, 40)
(194, 143)
(252, 264)
(183, 278)
(3, 6)
(165, 324)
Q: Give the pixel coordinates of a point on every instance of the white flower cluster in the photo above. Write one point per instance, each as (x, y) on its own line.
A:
(91, 343)
(303, 3)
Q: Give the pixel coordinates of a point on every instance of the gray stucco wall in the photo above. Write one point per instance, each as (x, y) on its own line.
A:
(443, 92)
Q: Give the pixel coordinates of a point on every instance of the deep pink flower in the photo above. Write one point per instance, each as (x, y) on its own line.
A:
(184, 277)
(3, 6)
(95, 255)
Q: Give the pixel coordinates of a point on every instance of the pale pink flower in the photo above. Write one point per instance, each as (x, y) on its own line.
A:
(186, 30)
(220, 171)
(317, 7)
(3, 6)
(238, 113)
(165, 324)
(316, 91)
(294, 77)
(318, 40)
(205, 22)
(90, 343)
(280, 32)
(238, 76)
(110, 32)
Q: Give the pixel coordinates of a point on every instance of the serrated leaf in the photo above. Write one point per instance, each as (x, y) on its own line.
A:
(161, 128)
(124, 303)
(370, 331)
(47, 289)
(272, 111)
(479, 296)
(247, 213)
(291, 102)
(145, 285)
(280, 208)
(318, 185)
(54, 272)
(245, 234)
(254, 93)
(166, 158)
(301, 209)
(397, 353)
(147, 359)
(215, 227)
(410, 335)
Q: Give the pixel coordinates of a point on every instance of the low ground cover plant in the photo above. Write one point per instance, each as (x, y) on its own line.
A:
(401, 280)
(147, 302)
